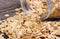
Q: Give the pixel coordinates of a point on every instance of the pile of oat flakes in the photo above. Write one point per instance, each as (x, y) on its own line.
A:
(29, 26)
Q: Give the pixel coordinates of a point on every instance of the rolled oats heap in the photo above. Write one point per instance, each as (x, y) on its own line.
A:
(29, 26)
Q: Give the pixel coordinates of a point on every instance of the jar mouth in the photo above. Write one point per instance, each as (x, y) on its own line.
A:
(26, 8)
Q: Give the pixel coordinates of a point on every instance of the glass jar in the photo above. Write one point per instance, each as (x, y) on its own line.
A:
(53, 9)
